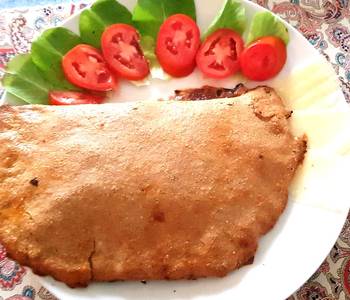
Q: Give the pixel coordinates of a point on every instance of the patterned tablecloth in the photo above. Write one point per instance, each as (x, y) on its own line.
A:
(325, 23)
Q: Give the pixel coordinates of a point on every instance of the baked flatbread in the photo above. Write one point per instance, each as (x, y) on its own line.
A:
(145, 190)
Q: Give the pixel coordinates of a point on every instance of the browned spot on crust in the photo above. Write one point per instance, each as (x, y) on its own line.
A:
(158, 216)
(34, 182)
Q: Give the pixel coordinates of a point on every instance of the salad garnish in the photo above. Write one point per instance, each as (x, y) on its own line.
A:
(149, 15)
(47, 54)
(266, 24)
(74, 98)
(232, 16)
(85, 67)
(158, 37)
(177, 44)
(264, 58)
(103, 13)
(25, 81)
(122, 51)
(219, 55)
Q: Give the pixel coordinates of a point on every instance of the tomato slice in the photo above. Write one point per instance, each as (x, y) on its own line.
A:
(122, 51)
(85, 67)
(219, 55)
(264, 58)
(73, 98)
(177, 44)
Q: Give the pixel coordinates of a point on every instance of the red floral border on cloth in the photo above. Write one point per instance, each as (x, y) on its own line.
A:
(326, 24)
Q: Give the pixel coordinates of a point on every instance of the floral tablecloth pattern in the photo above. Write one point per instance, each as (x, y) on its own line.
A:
(325, 23)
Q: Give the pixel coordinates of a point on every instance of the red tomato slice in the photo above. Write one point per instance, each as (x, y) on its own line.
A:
(219, 55)
(264, 58)
(85, 67)
(177, 45)
(122, 51)
(73, 98)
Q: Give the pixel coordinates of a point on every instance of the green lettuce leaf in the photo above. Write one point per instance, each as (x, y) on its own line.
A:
(231, 16)
(265, 24)
(25, 81)
(148, 46)
(149, 15)
(48, 51)
(13, 100)
(102, 14)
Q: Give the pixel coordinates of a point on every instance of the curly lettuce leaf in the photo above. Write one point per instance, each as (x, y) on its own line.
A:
(149, 15)
(231, 16)
(102, 14)
(266, 24)
(25, 81)
(48, 51)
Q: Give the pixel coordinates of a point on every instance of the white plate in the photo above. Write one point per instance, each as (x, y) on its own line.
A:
(304, 235)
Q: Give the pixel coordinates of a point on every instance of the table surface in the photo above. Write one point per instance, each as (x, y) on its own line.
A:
(325, 23)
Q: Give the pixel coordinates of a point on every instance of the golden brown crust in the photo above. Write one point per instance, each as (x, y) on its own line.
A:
(147, 190)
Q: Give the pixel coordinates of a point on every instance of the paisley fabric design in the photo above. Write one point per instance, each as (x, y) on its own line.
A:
(11, 273)
(312, 291)
(324, 23)
(323, 269)
(345, 276)
(28, 293)
(45, 294)
(25, 3)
